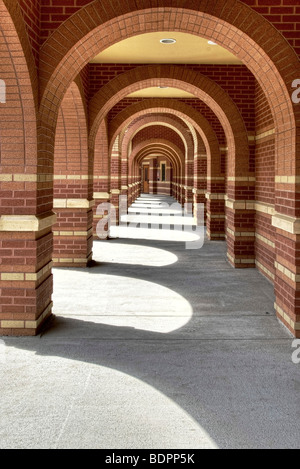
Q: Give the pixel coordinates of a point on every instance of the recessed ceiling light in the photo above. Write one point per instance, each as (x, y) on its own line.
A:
(212, 43)
(163, 87)
(168, 41)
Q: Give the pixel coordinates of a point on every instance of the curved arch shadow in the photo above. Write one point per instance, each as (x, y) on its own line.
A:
(218, 379)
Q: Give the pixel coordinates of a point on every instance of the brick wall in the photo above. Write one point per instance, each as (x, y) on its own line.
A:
(265, 184)
(159, 132)
(283, 14)
(31, 13)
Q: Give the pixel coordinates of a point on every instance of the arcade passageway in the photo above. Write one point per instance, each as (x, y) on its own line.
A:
(178, 357)
(190, 110)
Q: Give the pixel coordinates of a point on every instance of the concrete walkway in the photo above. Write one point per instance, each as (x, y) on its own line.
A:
(154, 346)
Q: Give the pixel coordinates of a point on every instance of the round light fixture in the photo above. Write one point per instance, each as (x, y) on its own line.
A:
(212, 43)
(163, 87)
(168, 41)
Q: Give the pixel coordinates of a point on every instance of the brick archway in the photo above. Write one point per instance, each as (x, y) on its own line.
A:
(238, 28)
(199, 85)
(179, 109)
(170, 121)
(158, 147)
(209, 181)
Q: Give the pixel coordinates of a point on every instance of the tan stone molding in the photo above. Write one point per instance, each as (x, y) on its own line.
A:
(26, 223)
(214, 196)
(26, 177)
(73, 203)
(240, 204)
(286, 223)
(101, 195)
(287, 179)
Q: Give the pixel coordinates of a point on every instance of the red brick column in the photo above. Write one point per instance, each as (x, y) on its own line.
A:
(115, 177)
(287, 252)
(73, 184)
(26, 216)
(189, 182)
(101, 188)
(215, 197)
(200, 179)
(240, 225)
(73, 232)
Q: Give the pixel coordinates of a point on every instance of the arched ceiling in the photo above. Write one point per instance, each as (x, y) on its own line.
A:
(147, 49)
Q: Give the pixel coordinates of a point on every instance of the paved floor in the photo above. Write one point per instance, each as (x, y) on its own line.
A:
(157, 345)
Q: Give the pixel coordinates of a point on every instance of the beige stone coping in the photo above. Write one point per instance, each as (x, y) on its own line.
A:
(287, 179)
(216, 178)
(286, 223)
(73, 203)
(214, 196)
(115, 191)
(199, 191)
(265, 208)
(73, 177)
(74, 233)
(201, 156)
(26, 223)
(26, 177)
(216, 217)
(240, 204)
(242, 179)
(101, 195)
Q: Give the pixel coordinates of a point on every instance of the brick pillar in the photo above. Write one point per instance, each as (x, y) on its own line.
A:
(115, 177)
(200, 181)
(215, 197)
(124, 177)
(189, 181)
(26, 244)
(240, 213)
(101, 196)
(287, 264)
